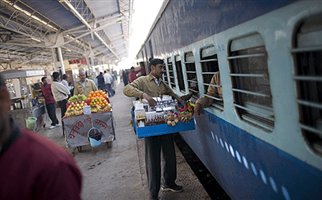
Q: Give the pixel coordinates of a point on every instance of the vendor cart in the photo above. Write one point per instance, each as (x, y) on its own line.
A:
(19, 84)
(76, 128)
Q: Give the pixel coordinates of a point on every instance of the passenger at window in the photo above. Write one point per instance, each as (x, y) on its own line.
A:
(146, 87)
(213, 90)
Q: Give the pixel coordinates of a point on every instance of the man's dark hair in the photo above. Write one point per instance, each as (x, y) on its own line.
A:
(64, 76)
(155, 61)
(55, 76)
(43, 78)
(2, 81)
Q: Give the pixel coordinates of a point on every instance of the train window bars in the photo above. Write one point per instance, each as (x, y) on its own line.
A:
(165, 76)
(191, 74)
(250, 81)
(209, 71)
(171, 73)
(178, 64)
(308, 77)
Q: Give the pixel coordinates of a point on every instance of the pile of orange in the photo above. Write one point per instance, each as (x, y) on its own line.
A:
(98, 101)
(98, 93)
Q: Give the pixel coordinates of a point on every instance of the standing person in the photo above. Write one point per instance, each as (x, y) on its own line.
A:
(50, 102)
(60, 93)
(33, 167)
(100, 81)
(214, 89)
(108, 82)
(84, 85)
(64, 80)
(125, 76)
(146, 87)
(141, 71)
(132, 75)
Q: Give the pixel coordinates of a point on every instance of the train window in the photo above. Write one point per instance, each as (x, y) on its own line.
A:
(191, 74)
(171, 73)
(308, 77)
(179, 73)
(250, 80)
(209, 71)
(165, 78)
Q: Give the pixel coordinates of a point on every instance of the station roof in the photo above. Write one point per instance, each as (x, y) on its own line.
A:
(31, 30)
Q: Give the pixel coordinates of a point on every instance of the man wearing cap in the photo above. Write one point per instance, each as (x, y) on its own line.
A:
(84, 85)
(146, 87)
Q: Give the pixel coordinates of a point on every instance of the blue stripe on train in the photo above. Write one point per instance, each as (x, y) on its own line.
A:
(247, 167)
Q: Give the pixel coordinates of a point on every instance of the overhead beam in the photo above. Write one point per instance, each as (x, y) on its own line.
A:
(84, 21)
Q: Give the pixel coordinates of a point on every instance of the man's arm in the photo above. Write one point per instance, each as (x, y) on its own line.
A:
(205, 101)
(94, 87)
(134, 89)
(63, 181)
(61, 88)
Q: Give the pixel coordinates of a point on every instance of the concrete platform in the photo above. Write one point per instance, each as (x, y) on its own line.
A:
(117, 171)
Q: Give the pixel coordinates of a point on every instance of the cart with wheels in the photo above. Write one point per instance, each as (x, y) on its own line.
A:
(76, 129)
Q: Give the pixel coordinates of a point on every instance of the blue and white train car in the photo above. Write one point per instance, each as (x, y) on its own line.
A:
(262, 138)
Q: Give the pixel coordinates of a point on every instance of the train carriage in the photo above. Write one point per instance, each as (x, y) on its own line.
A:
(262, 137)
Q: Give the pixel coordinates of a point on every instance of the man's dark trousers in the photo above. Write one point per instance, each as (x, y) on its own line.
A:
(51, 110)
(153, 147)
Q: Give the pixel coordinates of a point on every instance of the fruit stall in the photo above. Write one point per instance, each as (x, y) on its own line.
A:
(165, 118)
(88, 120)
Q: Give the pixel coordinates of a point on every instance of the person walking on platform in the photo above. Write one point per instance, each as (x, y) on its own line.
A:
(132, 75)
(125, 76)
(84, 85)
(108, 78)
(100, 81)
(33, 167)
(60, 93)
(146, 87)
(50, 102)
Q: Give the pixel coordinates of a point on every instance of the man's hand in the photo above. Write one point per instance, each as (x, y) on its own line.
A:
(182, 102)
(198, 108)
(151, 101)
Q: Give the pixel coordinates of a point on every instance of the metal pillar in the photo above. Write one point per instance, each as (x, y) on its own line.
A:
(62, 66)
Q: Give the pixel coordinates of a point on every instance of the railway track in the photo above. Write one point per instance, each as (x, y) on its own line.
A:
(212, 187)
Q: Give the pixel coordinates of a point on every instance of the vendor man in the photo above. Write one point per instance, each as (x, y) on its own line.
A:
(84, 85)
(146, 87)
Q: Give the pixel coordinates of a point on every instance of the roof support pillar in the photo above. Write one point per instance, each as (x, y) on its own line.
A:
(60, 55)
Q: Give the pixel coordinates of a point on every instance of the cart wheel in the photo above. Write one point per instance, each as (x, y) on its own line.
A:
(80, 149)
(109, 144)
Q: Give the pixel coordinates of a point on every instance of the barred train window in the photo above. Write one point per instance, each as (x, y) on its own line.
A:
(191, 74)
(210, 69)
(308, 77)
(171, 73)
(179, 73)
(250, 80)
(165, 76)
